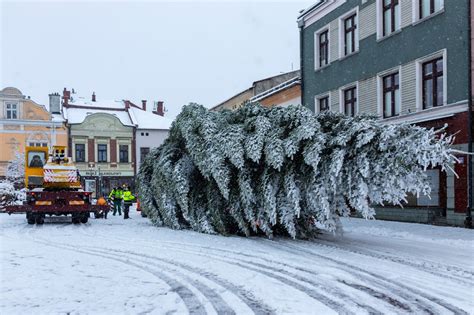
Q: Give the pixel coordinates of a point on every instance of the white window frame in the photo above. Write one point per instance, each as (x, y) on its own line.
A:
(379, 8)
(380, 95)
(416, 11)
(84, 142)
(17, 110)
(342, 35)
(128, 153)
(419, 78)
(320, 96)
(128, 143)
(316, 46)
(341, 97)
(96, 149)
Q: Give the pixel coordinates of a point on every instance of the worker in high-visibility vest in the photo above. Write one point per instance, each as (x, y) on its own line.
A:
(128, 200)
(117, 195)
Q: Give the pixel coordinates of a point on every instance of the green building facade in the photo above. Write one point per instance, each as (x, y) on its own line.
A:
(404, 61)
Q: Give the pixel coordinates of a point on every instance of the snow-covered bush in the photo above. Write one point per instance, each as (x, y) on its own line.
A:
(282, 170)
(9, 195)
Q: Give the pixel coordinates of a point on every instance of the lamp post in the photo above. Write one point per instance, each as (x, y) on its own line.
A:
(100, 182)
(93, 173)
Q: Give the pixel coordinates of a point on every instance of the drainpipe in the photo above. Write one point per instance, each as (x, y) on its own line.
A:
(301, 26)
(468, 220)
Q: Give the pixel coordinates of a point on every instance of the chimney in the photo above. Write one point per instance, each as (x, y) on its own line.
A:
(160, 108)
(144, 105)
(127, 104)
(55, 103)
(93, 96)
(66, 97)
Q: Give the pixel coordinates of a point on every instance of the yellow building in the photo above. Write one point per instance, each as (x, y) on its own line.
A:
(24, 122)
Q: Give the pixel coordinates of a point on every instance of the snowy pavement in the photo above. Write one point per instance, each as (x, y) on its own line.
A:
(118, 266)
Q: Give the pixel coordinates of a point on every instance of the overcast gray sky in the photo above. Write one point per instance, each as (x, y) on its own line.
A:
(178, 52)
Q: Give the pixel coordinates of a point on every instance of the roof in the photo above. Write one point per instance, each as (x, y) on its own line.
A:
(79, 108)
(223, 102)
(280, 87)
(296, 72)
(148, 120)
(82, 101)
(310, 9)
(76, 115)
(11, 91)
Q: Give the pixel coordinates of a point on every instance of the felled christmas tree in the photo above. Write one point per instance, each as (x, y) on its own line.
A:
(283, 170)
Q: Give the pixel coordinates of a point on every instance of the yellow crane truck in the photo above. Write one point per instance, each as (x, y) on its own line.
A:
(53, 188)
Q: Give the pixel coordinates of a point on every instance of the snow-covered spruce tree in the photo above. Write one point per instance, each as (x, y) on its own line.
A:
(16, 170)
(283, 170)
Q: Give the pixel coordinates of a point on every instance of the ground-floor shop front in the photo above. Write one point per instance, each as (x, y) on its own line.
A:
(448, 202)
(100, 184)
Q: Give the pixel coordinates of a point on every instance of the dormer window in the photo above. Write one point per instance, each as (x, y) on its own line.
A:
(11, 110)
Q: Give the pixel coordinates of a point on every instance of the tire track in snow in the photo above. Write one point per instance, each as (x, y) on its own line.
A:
(257, 306)
(384, 297)
(327, 288)
(187, 296)
(280, 277)
(332, 304)
(434, 267)
(351, 270)
(392, 284)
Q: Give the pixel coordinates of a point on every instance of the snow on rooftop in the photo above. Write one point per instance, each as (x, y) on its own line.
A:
(82, 101)
(148, 120)
(134, 117)
(78, 115)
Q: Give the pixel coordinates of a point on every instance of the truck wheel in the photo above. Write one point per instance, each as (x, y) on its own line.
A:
(39, 219)
(30, 218)
(76, 220)
(84, 219)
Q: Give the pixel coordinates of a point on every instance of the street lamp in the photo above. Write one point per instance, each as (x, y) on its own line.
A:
(100, 182)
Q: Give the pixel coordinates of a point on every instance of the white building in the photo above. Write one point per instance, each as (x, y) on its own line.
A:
(152, 129)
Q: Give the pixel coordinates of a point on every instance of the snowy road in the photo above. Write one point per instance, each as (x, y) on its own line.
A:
(115, 266)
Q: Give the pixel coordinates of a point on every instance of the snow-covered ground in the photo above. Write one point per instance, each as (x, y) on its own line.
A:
(118, 266)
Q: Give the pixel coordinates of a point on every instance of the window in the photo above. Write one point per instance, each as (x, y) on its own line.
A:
(101, 153)
(12, 111)
(37, 144)
(350, 28)
(323, 104)
(432, 86)
(391, 95)
(146, 134)
(428, 7)
(323, 40)
(143, 153)
(36, 159)
(80, 152)
(142, 134)
(350, 101)
(390, 16)
(123, 153)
